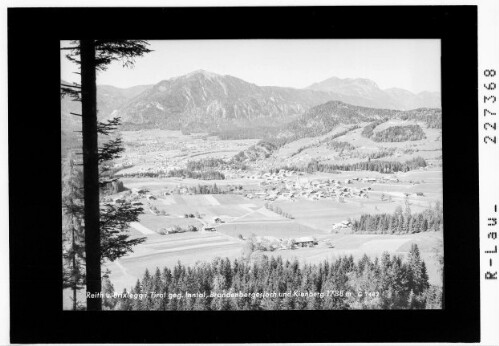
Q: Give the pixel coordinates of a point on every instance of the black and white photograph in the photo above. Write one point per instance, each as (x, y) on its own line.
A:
(237, 174)
(257, 175)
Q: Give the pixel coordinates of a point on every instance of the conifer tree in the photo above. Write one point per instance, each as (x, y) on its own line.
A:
(411, 301)
(418, 277)
(424, 284)
(137, 302)
(392, 225)
(108, 301)
(379, 227)
(433, 297)
(93, 55)
(407, 211)
(73, 233)
(124, 302)
(424, 225)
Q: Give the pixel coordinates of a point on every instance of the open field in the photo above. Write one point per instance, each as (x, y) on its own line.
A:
(278, 229)
(160, 251)
(207, 206)
(244, 213)
(154, 222)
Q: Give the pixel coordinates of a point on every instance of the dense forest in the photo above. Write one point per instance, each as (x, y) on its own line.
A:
(380, 153)
(204, 164)
(204, 169)
(368, 130)
(261, 150)
(329, 140)
(377, 166)
(322, 119)
(399, 134)
(263, 283)
(214, 163)
(179, 173)
(400, 222)
(203, 175)
(431, 116)
(205, 189)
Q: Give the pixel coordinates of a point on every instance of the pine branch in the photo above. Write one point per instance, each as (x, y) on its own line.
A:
(111, 150)
(108, 51)
(106, 128)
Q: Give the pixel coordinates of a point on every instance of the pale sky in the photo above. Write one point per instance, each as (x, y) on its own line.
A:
(411, 64)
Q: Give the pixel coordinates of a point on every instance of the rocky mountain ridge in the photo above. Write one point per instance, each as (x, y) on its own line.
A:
(364, 92)
(203, 101)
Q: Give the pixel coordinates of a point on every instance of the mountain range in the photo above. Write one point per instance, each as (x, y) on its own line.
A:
(205, 101)
(365, 92)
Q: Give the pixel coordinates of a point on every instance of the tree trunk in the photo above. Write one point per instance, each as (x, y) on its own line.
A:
(91, 174)
(75, 282)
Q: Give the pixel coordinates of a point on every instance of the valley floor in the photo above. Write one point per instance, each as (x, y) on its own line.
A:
(243, 217)
(245, 213)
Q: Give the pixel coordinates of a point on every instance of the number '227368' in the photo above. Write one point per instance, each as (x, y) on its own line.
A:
(488, 100)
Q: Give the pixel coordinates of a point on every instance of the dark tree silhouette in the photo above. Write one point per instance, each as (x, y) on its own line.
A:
(93, 55)
(90, 172)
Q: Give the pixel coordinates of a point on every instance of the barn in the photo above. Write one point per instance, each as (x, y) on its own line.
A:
(305, 242)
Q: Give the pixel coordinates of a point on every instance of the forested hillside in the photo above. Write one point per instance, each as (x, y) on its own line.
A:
(399, 134)
(324, 118)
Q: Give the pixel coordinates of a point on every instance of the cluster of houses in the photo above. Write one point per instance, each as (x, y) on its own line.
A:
(341, 226)
(269, 177)
(268, 243)
(373, 180)
(134, 196)
(317, 189)
(137, 193)
(282, 186)
(124, 164)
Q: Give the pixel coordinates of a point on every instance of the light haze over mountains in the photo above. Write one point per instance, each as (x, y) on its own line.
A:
(202, 100)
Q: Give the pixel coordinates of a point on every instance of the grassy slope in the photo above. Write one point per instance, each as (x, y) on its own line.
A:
(311, 148)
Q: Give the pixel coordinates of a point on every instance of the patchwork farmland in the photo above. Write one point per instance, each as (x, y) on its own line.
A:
(224, 222)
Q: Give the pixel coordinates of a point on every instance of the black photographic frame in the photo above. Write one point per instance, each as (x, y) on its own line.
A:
(34, 36)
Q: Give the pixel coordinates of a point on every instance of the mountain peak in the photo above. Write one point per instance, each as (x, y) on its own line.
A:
(194, 74)
(203, 73)
(365, 81)
(345, 85)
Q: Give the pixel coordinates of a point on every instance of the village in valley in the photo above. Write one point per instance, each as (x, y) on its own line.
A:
(206, 169)
(295, 213)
